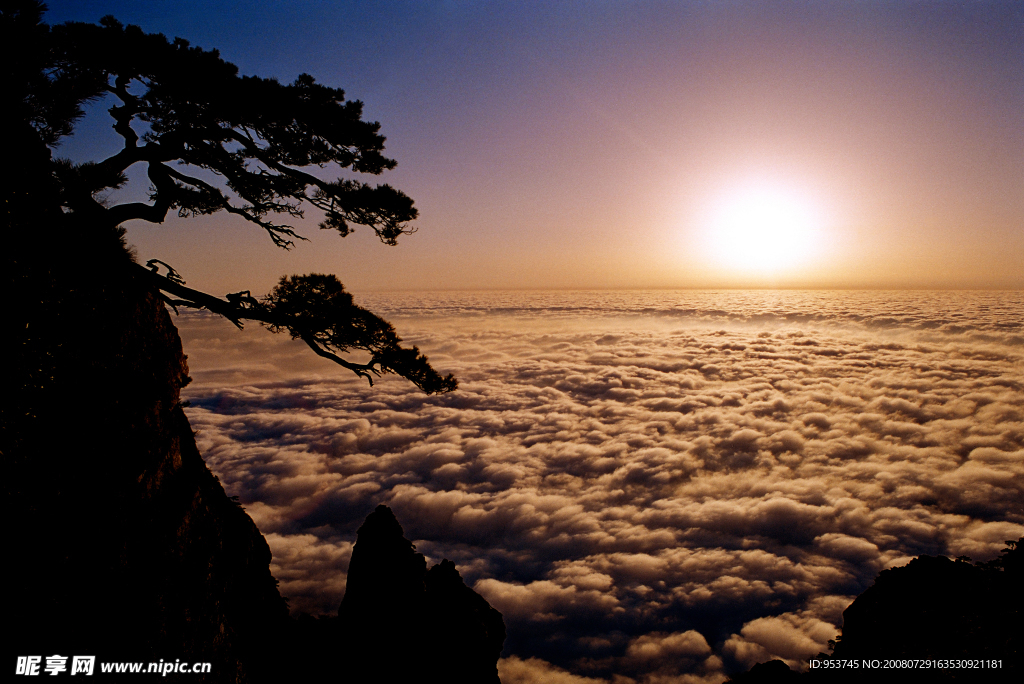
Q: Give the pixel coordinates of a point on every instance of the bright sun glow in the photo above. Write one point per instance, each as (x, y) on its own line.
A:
(762, 231)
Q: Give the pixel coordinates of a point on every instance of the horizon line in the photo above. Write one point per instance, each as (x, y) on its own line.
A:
(851, 288)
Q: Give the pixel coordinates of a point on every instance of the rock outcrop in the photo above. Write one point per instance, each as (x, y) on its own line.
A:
(401, 621)
(935, 608)
(771, 672)
(932, 609)
(125, 546)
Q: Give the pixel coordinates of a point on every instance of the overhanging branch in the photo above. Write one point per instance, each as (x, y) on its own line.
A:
(242, 308)
(362, 370)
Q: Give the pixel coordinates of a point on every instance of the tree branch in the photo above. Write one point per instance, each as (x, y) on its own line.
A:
(358, 369)
(124, 114)
(150, 152)
(154, 213)
(192, 298)
(274, 230)
(235, 311)
(259, 153)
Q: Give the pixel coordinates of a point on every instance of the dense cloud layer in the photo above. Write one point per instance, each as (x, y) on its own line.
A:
(660, 497)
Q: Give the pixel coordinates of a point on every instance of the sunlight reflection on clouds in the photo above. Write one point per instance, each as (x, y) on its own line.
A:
(702, 486)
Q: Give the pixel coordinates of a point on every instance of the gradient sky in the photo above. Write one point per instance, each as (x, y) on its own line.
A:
(621, 144)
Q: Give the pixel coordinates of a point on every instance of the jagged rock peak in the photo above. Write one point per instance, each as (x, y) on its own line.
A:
(394, 605)
(382, 524)
(385, 573)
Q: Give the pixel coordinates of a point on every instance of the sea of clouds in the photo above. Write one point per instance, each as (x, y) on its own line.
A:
(650, 486)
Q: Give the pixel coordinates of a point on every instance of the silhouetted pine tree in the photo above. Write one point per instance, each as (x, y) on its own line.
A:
(211, 141)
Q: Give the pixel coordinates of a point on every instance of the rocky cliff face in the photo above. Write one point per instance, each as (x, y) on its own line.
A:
(124, 545)
(400, 620)
(937, 608)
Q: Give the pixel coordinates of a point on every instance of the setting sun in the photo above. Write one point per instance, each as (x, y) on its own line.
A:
(762, 230)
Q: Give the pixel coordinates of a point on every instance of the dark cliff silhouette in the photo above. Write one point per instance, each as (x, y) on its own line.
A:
(771, 672)
(937, 608)
(933, 608)
(122, 543)
(125, 543)
(401, 620)
(125, 546)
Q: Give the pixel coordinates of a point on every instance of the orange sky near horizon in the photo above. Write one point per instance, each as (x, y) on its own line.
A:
(648, 145)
